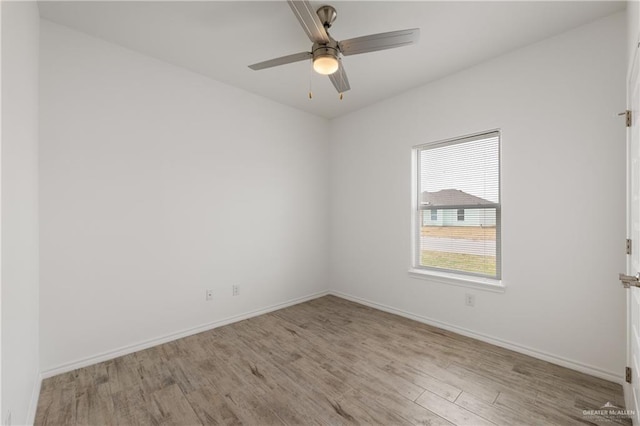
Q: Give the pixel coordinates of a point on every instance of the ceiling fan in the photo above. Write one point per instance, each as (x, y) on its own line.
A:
(326, 52)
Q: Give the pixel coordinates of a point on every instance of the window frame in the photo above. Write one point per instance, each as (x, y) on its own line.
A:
(446, 276)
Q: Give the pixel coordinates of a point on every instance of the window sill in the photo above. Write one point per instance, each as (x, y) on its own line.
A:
(485, 284)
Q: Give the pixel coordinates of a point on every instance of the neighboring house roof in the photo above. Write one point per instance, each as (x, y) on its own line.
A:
(451, 197)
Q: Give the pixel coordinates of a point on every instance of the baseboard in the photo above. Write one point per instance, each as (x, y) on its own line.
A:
(554, 359)
(125, 350)
(33, 403)
(105, 356)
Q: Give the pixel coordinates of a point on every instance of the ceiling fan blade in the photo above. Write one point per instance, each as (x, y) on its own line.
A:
(380, 41)
(296, 57)
(309, 21)
(339, 79)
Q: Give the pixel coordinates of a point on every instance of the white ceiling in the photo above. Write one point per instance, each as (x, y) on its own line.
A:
(219, 39)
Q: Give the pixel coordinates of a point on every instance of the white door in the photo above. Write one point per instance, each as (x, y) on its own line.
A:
(633, 232)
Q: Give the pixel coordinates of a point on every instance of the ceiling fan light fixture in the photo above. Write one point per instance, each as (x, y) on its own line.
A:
(325, 64)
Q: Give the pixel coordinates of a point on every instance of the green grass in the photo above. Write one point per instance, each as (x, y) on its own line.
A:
(473, 263)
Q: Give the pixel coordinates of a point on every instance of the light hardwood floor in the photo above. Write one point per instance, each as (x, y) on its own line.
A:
(327, 361)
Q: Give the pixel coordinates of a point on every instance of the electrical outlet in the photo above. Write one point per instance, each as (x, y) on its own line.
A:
(235, 289)
(209, 294)
(470, 299)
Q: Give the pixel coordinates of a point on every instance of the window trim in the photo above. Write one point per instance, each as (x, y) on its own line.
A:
(449, 278)
(459, 278)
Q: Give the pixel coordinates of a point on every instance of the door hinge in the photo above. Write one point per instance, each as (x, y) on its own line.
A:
(627, 374)
(628, 246)
(627, 116)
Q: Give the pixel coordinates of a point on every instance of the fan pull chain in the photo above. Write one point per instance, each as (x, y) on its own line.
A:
(310, 79)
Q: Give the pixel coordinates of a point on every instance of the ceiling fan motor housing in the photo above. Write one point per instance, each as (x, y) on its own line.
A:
(325, 49)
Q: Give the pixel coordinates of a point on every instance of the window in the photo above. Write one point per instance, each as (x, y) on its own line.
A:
(434, 214)
(460, 178)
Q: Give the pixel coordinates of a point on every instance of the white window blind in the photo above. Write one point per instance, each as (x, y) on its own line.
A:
(459, 180)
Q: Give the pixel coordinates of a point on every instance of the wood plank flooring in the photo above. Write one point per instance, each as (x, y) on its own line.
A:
(327, 361)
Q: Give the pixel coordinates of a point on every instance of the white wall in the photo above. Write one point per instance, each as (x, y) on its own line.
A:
(563, 194)
(20, 26)
(156, 184)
